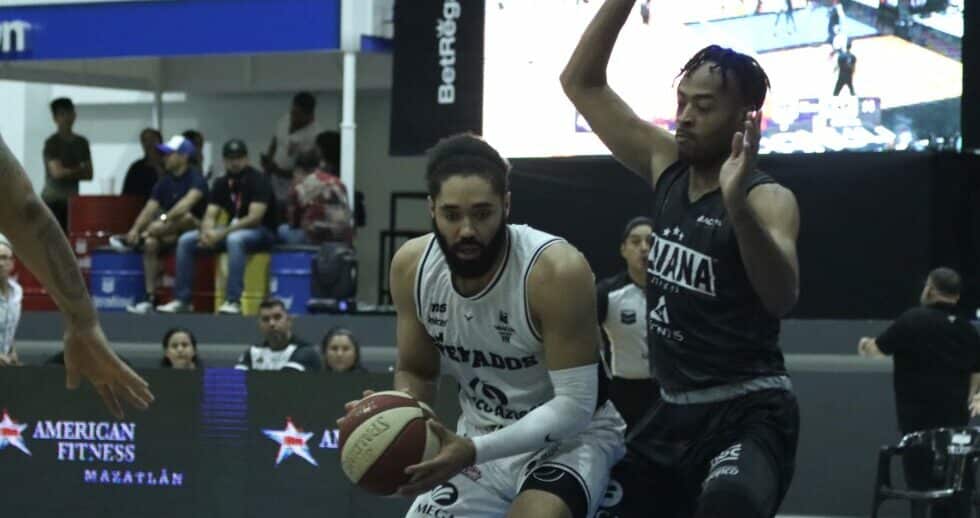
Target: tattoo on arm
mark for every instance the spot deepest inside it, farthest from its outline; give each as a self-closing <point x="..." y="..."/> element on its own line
<point x="66" y="279"/>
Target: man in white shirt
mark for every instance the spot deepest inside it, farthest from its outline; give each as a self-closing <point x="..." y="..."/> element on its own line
<point x="10" y="303"/>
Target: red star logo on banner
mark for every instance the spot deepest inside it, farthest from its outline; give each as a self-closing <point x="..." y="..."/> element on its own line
<point x="10" y="433"/>
<point x="292" y="441"/>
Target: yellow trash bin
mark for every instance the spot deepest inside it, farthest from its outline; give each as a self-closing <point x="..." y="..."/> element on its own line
<point x="256" y="282"/>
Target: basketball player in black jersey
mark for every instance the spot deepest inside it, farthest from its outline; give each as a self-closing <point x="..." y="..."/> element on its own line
<point x="41" y="245"/>
<point x="723" y="269"/>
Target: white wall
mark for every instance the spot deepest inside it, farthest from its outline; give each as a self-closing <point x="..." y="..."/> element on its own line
<point x="113" y="131"/>
<point x="12" y="122"/>
<point x="378" y="175"/>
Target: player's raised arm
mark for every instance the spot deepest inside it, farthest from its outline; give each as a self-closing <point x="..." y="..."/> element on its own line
<point x="644" y="148"/>
<point x="417" y="368"/>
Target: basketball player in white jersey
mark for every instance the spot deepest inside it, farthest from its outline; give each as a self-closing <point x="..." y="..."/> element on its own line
<point x="509" y="312"/>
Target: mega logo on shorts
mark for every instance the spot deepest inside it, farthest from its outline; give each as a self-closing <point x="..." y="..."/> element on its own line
<point x="443" y="495"/>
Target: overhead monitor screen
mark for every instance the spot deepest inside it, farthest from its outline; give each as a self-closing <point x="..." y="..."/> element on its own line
<point x="858" y="75"/>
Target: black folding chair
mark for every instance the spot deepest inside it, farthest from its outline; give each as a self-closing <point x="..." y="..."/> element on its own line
<point x="952" y="455"/>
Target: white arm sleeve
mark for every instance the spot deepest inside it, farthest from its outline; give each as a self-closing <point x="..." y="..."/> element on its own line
<point x="565" y="415"/>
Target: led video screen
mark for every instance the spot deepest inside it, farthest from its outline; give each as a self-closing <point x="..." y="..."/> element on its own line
<point x="855" y="75"/>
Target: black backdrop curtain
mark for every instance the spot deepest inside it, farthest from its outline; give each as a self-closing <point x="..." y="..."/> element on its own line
<point x="872" y="224"/>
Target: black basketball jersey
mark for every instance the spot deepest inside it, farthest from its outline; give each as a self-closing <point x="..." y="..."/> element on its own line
<point x="706" y="325"/>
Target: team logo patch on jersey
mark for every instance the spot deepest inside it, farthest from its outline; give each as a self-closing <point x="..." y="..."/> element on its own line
<point x="503" y="328"/>
<point x="627" y="316"/>
<point x="673" y="266"/>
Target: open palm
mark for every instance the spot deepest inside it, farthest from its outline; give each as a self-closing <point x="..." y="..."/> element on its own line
<point x="741" y="162"/>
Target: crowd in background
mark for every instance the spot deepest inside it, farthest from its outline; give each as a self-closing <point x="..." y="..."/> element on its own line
<point x="296" y="198"/>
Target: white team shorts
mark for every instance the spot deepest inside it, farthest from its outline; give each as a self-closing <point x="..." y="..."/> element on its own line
<point x="486" y="490"/>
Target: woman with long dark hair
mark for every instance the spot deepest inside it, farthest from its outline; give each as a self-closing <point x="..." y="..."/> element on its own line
<point x="180" y="349"/>
<point x="340" y="351"/>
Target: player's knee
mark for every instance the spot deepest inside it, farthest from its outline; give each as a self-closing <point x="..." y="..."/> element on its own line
<point x="538" y="503"/>
<point x="151" y="246"/>
<point x="730" y="499"/>
<point x="552" y="491"/>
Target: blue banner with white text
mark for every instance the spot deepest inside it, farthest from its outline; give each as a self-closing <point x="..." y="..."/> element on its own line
<point x="167" y="28"/>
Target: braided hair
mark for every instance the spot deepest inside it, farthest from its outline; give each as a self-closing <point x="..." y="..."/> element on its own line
<point x="751" y="78"/>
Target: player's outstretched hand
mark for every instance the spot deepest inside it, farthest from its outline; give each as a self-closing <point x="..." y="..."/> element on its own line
<point x="348" y="406"/>
<point x="87" y="355"/>
<point x="455" y="454"/>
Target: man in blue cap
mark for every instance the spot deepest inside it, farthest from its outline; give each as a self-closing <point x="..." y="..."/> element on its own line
<point x="176" y="206"/>
<point x="245" y="195"/>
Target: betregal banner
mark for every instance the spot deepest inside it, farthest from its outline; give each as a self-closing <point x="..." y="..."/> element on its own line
<point x="437" y="71"/>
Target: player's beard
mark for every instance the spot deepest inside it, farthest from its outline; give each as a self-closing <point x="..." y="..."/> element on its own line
<point x="472" y="268"/>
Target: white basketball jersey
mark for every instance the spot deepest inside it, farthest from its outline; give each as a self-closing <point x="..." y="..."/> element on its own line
<point x="487" y="341"/>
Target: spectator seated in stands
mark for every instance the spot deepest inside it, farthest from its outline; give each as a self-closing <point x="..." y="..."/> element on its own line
<point x="175" y="206"/>
<point x="281" y="350"/>
<point x="318" y="210"/>
<point x="11" y="296"/>
<point x="245" y="196"/>
<point x="144" y="173"/>
<point x="180" y="349"/>
<point x="340" y="351"/>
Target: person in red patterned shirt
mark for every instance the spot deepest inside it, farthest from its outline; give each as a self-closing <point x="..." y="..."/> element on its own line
<point x="318" y="209"/>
